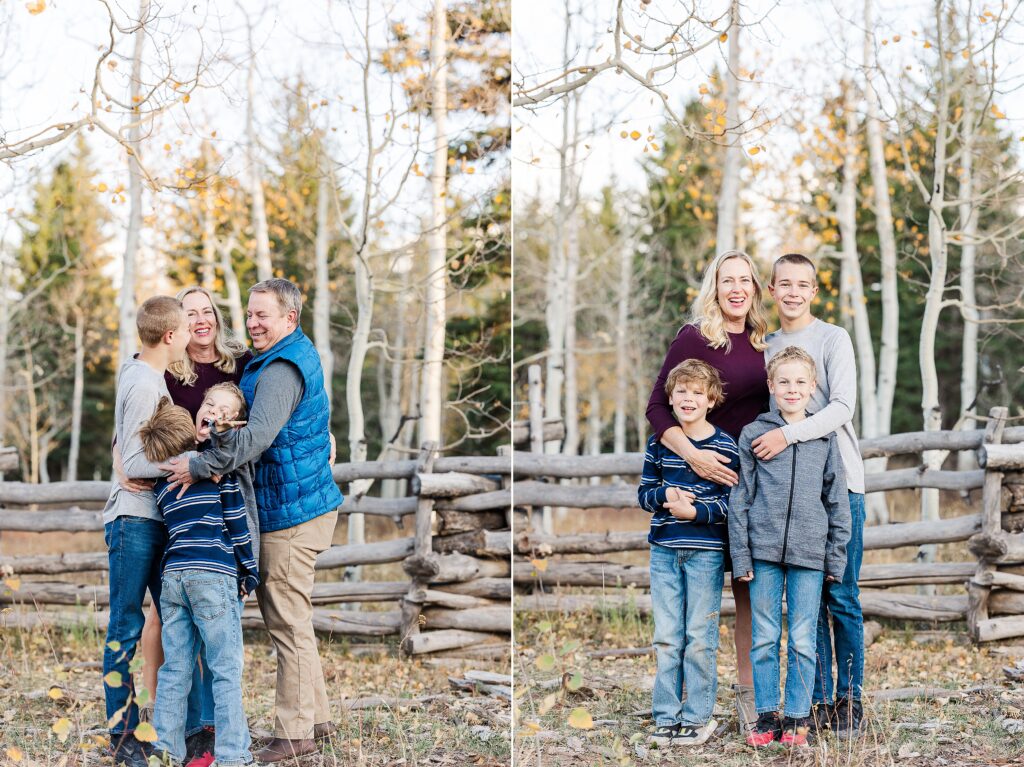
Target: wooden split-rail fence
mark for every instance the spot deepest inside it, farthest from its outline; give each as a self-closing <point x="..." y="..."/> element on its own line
<point x="457" y="557"/>
<point x="992" y="601"/>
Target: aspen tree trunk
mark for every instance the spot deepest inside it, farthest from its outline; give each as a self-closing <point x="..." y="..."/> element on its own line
<point x="209" y="240"/>
<point x="264" y="268"/>
<point x="234" y="291"/>
<point x="729" y="195"/>
<point x="572" y="264"/>
<point x="5" y="329"/>
<point x="391" y="413"/>
<point x="322" y="295"/>
<point x="433" y="349"/>
<point x="968" y="256"/>
<point x="622" y="349"/>
<point x="127" y="335"/>
<point x="594" y="425"/>
<point x="937" y="249"/>
<point x="77" y="395"/>
<point x="889" y="351"/>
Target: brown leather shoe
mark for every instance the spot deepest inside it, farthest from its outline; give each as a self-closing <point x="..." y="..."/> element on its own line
<point x="279" y="749"/>
<point x="324" y="731"/>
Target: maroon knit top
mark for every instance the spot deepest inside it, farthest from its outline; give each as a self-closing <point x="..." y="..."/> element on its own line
<point x="191" y="397"/>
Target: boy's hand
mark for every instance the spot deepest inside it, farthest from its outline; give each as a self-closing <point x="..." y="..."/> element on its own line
<point x="769" y="445"/>
<point x="177" y="473"/>
<point x="682" y="507"/>
<point x="831" y="579"/>
<point x="126" y="483"/>
<point x="709" y="465"/>
<point x="746" y="578"/>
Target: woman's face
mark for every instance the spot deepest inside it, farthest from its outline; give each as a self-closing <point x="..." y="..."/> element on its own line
<point x="202" y="321"/>
<point x="735" y="290"/>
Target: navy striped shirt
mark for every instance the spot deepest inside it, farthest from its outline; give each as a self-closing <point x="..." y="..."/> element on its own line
<point x="664" y="469"/>
<point x="207" y="529"/>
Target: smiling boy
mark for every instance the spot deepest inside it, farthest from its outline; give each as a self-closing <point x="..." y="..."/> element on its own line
<point x="794" y="286"/>
<point x="688" y="540"/>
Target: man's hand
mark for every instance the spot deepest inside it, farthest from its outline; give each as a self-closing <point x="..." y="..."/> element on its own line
<point x="831" y="579"/>
<point x="746" y="578"/>
<point x="709" y="465"/>
<point x="126" y="483"/>
<point x="177" y="473"/>
<point x="334" y="449"/>
<point x="679" y="503"/>
<point x="769" y="445"/>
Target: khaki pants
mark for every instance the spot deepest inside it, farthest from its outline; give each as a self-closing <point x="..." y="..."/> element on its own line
<point x="284" y="594"/>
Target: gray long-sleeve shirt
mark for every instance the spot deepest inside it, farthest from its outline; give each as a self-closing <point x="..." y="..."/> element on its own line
<point x="834" y="400"/>
<point x="139" y="389"/>
<point x="278" y="392"/>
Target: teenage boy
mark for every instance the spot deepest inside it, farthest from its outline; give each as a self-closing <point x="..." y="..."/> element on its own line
<point x="789" y="521"/>
<point x="688" y="539"/>
<point x="794" y="286"/>
<point x="132" y="526"/>
<point x="208" y="569"/>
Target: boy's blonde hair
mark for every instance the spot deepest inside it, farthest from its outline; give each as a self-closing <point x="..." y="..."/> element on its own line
<point x="157" y="316"/>
<point x="169" y="432"/>
<point x="700" y="372"/>
<point x="234" y="391"/>
<point x="792" y="354"/>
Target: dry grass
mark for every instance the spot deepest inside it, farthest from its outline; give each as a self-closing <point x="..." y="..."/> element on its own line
<point x="454" y="729"/>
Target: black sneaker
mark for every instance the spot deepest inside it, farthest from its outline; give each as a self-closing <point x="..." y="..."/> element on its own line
<point x="126" y="751"/>
<point x="797" y="731"/>
<point x="766" y="730"/>
<point x="199" y="743"/>
<point x="848" y="717"/>
<point x="824" y="717"/>
<point x="663" y="736"/>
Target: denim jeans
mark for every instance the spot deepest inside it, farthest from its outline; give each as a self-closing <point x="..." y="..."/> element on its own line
<point x="201" y="606"/>
<point x="686" y="594"/>
<point x="842" y="602"/>
<point x="135" y="547"/>
<point x="802" y="587"/>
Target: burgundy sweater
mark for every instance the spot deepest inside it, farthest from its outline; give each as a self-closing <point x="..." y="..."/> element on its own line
<point x="743" y="378"/>
<point x="191" y="397"/>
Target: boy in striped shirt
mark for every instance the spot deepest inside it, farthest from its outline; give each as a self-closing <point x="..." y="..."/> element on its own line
<point x="688" y="544"/>
<point x="208" y="569"/>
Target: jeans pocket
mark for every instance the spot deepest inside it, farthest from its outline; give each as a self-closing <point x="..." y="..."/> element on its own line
<point x="206" y="597"/>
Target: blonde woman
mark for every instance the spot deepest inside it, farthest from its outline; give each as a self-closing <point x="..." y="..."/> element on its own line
<point x="726" y="329"/>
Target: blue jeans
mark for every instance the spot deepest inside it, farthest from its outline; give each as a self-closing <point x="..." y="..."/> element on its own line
<point x="842" y="602"/>
<point x="201" y="606"/>
<point x="135" y="547"/>
<point x="686" y="594"/>
<point x="803" y="595"/>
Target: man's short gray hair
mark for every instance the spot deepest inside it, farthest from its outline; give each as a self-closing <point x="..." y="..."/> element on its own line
<point x="287" y="293"/>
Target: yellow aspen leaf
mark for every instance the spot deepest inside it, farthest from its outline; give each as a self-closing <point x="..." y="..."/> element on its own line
<point x="470" y="170"/>
<point x="186" y="98"/>
<point x="15" y="754"/>
<point x="62" y="728"/>
<point x="581" y="719"/>
<point x="720" y="121"/>
<point x="532" y="726"/>
<point x="628" y="45"/>
<point x="113" y="679"/>
<point x="547" y="704"/>
<point x="927" y="44"/>
<point x="37" y="7"/>
<point x="540" y="564"/>
<point x="635" y="135"/>
<point x="12" y="583"/>
<point x="896" y="38"/>
<point x="753" y="150"/>
<point x="723" y="37"/>
<point x="145" y="732"/>
<point x="703" y="89"/>
<point x="101" y="187"/>
<point x="996" y="113"/>
<point x="885" y="42"/>
<point x="55" y="693"/>
<point x="111" y="64"/>
<point x="966" y="54"/>
<point x="167" y="147"/>
<point x="654" y="145"/>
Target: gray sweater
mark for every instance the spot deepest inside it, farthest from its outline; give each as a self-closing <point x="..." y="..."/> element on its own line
<point x="790" y="510"/>
<point x="139" y="389"/>
<point x="244" y="473"/>
<point x="835" y="398"/>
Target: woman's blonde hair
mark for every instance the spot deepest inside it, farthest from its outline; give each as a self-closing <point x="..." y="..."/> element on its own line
<point x="706" y="313"/>
<point x="227" y="345"/>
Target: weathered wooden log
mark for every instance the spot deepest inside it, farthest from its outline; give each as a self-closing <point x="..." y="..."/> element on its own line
<point x="1001" y="457"/>
<point x="438" y="598"/>
<point x="62" y="520"/>
<point x="1003" y="601"/>
<point x="454" y="568"/>
<point x="1003" y="627"/>
<point x="8" y="459"/>
<point x="906" y="479"/>
<point x="1002" y="548"/>
<point x="495" y="499"/>
<point x="532" y="541"/>
<point x="554" y="429"/>
<point x="485" y="588"/>
<point x="450" y="522"/>
<point x="379" y="507"/>
<point x="448" y="639"/>
<point x="1001" y="579"/>
<point x="480" y="543"/>
<point x="493" y="620"/>
<point x="365" y="553"/>
<point x="361" y="591"/>
<point x="406" y="469"/>
<point x="918" y="441"/>
<point x="919" y="533"/>
<point x="55" y="564"/>
<point x="57" y="593"/>
<point x="452" y="484"/>
<point x="54" y="492"/>
<point x="913" y="573"/>
<point x="917" y="693"/>
<point x="475" y="464"/>
<point x="570" y="466"/>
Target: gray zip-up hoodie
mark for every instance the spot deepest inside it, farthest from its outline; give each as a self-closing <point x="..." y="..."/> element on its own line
<point x="790" y="510"/>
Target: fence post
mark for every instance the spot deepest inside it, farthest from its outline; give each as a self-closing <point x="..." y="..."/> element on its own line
<point x="541" y="524"/>
<point x="979" y="589"/>
<point x="423" y="547"/>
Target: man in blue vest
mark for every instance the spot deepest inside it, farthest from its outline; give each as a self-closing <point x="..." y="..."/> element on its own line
<point x="288" y="438"/>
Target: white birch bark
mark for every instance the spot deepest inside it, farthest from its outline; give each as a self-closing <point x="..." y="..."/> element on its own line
<point x="322" y="295"/>
<point x="572" y="264"/>
<point x="729" y="194"/>
<point x="208" y="267"/>
<point x="595" y="425"/>
<point x="5" y="329"/>
<point x="227" y="268"/>
<point x="264" y="268"/>
<point x="77" y="395"/>
<point x="433" y="349"/>
<point x="127" y="332"/>
<point x="622" y="347"/>
<point x="394" y="369"/>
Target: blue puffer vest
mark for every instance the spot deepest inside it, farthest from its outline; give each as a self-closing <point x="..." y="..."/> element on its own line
<point x="293" y="479"/>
